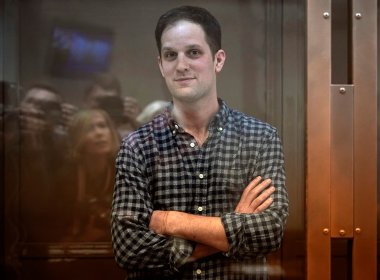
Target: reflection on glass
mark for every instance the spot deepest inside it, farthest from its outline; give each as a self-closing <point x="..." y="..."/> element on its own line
<point x="105" y="93"/>
<point x="36" y="147"/>
<point x="93" y="143"/>
<point x="43" y="183"/>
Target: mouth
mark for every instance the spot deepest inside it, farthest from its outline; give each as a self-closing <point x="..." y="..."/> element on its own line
<point x="183" y="78"/>
<point x="101" y="143"/>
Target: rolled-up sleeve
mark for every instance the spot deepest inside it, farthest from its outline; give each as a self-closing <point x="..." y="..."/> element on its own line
<point x="258" y="234"/>
<point x="135" y="246"/>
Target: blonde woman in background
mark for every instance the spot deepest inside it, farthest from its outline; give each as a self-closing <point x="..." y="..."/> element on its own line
<point x="93" y="144"/>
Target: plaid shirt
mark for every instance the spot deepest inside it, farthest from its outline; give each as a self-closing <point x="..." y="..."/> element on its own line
<point x="160" y="166"/>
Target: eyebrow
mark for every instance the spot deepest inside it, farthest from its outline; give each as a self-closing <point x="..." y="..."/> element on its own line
<point x="192" y="46"/>
<point x="166" y="49"/>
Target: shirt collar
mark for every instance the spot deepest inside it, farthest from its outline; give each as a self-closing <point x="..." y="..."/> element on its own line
<point x="217" y="122"/>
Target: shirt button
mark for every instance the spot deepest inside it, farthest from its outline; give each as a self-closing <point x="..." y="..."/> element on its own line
<point x="176" y="126"/>
<point x="220" y="128"/>
<point x="198" y="271"/>
<point x="200" y="208"/>
<point x="201" y="176"/>
<point x="192" y="144"/>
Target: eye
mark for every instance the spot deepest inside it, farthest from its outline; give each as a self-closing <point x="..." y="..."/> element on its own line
<point x="102" y="125"/>
<point x="194" y="53"/>
<point x="169" y="55"/>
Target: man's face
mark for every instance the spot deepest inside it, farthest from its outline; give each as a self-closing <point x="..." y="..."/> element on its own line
<point x="187" y="64"/>
<point x="45" y="101"/>
<point x="38" y="97"/>
<point x="40" y="111"/>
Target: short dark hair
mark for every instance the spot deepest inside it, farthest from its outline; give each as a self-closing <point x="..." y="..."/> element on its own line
<point x="197" y="15"/>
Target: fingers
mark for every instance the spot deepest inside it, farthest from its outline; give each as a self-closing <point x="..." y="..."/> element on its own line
<point x="131" y="107"/>
<point x="68" y="111"/>
<point x="32" y="120"/>
<point x="263" y="201"/>
<point x="255" y="189"/>
<point x="251" y="185"/>
<point x="256" y="196"/>
<point x="263" y="206"/>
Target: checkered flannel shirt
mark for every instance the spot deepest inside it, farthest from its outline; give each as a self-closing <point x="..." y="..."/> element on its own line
<point x="161" y="167"/>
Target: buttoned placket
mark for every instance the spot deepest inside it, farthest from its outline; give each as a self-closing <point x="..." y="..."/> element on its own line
<point x="201" y="181"/>
<point x="202" y="155"/>
<point x="203" y="167"/>
<point x="199" y="271"/>
<point x="189" y="147"/>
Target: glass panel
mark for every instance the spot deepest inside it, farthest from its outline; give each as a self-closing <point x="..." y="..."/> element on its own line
<point x="87" y="76"/>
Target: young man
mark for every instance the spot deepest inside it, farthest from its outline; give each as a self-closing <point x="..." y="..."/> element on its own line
<point x="36" y="152"/>
<point x="200" y="190"/>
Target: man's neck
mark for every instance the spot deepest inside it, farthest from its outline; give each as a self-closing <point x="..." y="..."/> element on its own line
<point x="195" y="118"/>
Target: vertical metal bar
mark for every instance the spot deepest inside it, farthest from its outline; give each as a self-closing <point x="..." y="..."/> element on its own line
<point x="318" y="139"/>
<point x="342" y="161"/>
<point x="273" y="46"/>
<point x="365" y="138"/>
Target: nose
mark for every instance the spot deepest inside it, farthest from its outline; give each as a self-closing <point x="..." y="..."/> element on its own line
<point x="99" y="131"/>
<point x="182" y="63"/>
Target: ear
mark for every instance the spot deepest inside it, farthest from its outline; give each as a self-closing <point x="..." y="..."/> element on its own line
<point x="220" y="58"/>
<point x="160" y="66"/>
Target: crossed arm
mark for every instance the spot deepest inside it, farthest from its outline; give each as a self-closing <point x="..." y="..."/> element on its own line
<point x="208" y="232"/>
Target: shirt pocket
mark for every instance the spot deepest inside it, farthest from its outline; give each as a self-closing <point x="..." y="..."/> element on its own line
<point x="234" y="181"/>
<point x="230" y="186"/>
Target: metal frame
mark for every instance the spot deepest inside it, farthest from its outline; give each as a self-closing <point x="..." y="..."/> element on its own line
<point x="341" y="200"/>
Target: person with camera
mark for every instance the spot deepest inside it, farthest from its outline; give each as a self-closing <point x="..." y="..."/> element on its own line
<point x="36" y="148"/>
<point x="105" y="93"/>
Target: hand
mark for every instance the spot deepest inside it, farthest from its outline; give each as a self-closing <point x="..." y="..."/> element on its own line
<point x="68" y="111"/>
<point x="256" y="197"/>
<point x="158" y="221"/>
<point x="131" y="108"/>
<point x="32" y="120"/>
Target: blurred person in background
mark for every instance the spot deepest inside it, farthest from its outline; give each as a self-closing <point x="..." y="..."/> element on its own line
<point x="36" y="148"/>
<point x="93" y="144"/>
<point x="105" y="93"/>
<point x="41" y="115"/>
<point x="151" y="110"/>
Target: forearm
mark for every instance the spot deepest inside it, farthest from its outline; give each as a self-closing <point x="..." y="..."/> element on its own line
<point x="136" y="247"/>
<point x="201" y="229"/>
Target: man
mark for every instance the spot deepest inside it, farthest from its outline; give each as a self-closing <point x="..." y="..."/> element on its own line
<point x="199" y="190"/>
<point x="41" y="111"/>
<point x="36" y="148"/>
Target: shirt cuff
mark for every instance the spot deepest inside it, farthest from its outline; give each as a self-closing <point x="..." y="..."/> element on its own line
<point x="180" y="251"/>
<point x="234" y="227"/>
